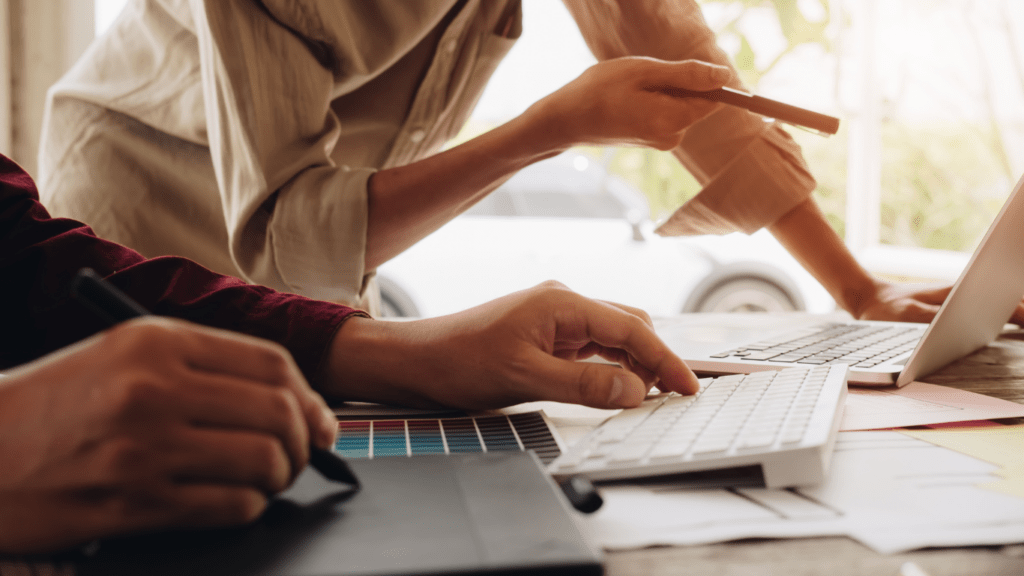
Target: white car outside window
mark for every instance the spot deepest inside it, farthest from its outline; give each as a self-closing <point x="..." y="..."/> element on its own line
<point x="567" y="219"/>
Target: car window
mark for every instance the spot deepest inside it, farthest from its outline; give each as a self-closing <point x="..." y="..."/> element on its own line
<point x="563" y="187"/>
<point x="562" y="205"/>
<point x="497" y="203"/>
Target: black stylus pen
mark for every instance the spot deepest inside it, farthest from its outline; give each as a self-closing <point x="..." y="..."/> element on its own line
<point x="115" y="307"/>
<point x="822" y="123"/>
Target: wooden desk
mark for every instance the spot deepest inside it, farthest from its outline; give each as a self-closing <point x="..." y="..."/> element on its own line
<point x="998" y="371"/>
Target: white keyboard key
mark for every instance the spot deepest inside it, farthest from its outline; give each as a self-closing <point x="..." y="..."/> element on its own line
<point x="628" y="453"/>
<point x="711" y="447"/>
<point x="604" y="450"/>
<point x="668" y="449"/>
<point x="757" y="441"/>
<point x="574" y="459"/>
<point x="790" y="437"/>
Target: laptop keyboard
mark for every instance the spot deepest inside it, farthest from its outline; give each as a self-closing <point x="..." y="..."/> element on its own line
<point x="856" y="345"/>
<point x="785" y="421"/>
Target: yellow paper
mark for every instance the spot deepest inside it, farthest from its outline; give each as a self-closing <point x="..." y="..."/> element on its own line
<point x="999" y="445"/>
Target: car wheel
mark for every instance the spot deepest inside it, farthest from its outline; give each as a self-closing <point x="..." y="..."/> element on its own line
<point x="394" y="301"/>
<point x="745" y="287"/>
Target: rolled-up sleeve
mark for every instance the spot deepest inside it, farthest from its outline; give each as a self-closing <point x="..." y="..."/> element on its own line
<point x="751" y="171"/>
<point x="296" y="220"/>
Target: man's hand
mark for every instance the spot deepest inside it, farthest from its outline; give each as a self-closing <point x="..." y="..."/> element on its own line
<point x="519" y="348"/>
<point x="912" y="303"/>
<point x="805" y="232"/>
<point x="622" y="102"/>
<point x="154" y="423"/>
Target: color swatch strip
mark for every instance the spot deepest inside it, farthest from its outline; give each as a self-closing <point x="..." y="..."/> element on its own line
<point x="379" y="438"/>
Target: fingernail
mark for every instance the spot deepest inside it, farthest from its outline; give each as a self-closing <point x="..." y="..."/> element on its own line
<point x="328" y="440"/>
<point x="620" y="396"/>
<point x="616" y="391"/>
<point x="331" y="430"/>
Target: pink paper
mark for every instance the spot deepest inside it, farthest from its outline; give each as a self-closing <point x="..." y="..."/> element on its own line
<point x="918" y="404"/>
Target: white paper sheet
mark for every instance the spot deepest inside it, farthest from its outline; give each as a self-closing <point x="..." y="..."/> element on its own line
<point x="887" y="490"/>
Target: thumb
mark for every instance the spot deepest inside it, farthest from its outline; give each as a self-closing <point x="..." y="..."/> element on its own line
<point x="593" y="384"/>
<point x="692" y="75"/>
<point x="934" y="295"/>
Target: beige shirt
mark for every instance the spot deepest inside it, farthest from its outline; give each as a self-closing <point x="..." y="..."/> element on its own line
<point x="241" y="134"/>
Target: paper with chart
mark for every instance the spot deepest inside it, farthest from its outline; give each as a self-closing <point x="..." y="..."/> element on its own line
<point x="887" y="490"/>
<point x="999" y="445"/>
<point x="918" y="404"/>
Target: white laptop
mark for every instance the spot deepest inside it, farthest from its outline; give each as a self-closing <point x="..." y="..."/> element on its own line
<point x="878" y="353"/>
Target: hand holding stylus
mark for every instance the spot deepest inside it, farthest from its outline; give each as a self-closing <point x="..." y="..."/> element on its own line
<point x="647" y="102"/>
<point x="114" y="306"/>
<point x="155" y="423"/>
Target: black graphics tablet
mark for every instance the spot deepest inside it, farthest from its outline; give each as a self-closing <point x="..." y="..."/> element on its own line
<point x="494" y="513"/>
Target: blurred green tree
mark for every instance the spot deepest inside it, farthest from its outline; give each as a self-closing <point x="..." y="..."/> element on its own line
<point x="659" y="175"/>
<point x="942" y="181"/>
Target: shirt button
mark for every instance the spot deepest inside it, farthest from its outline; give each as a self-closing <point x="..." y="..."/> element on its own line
<point x="417" y="136"/>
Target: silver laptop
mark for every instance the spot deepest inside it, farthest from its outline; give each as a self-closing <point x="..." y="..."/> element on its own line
<point x="878" y="353"/>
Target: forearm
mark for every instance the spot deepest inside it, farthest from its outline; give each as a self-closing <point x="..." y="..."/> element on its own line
<point x="407" y="203"/>
<point x="805" y="232"/>
<point x="666" y="29"/>
<point x="612" y="103"/>
<point x="374" y="361"/>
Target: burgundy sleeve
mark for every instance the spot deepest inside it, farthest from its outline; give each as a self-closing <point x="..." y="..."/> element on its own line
<point x="40" y="255"/>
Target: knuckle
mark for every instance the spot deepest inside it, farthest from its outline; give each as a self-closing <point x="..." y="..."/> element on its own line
<point x="282" y="405"/>
<point x="242" y="506"/>
<point x="645" y="317"/>
<point x="143" y="334"/>
<point x="270" y="461"/>
<point x="639" y="321"/>
<point x="277" y="361"/>
<point x="630" y="323"/>
<point x="137" y="391"/>
<point x="553" y="285"/>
